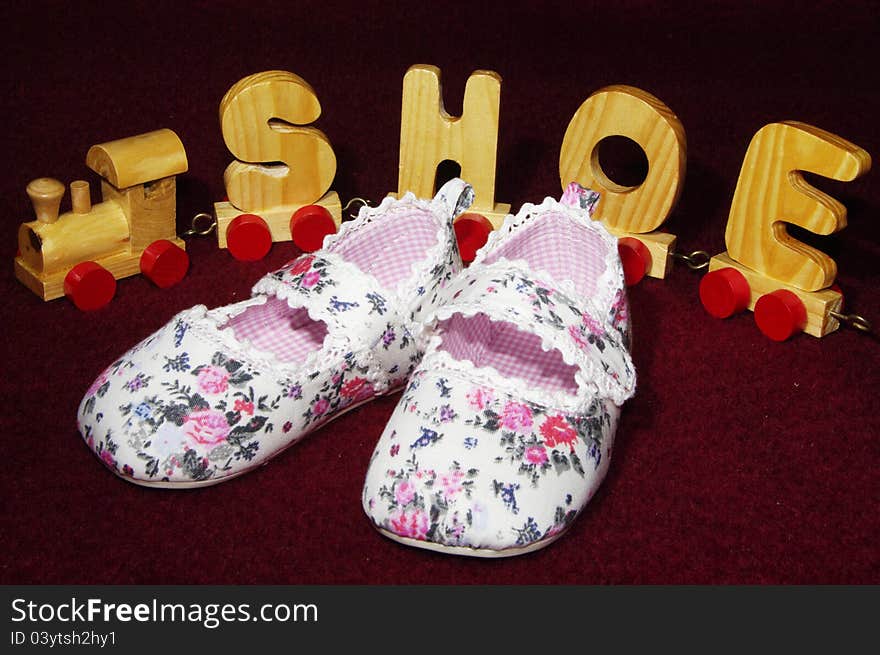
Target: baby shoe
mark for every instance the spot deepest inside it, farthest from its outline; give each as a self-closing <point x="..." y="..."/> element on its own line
<point x="215" y="393"/>
<point x="505" y="429"/>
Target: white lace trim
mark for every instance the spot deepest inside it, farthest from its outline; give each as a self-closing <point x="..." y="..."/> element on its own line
<point x="453" y="196"/>
<point x="212" y="326"/>
<point x="610" y="281"/>
<point x="209" y="324"/>
<point x="590" y="377"/>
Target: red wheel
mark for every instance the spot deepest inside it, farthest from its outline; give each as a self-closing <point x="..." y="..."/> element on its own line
<point x="248" y="238"/>
<point x="90" y="286"/>
<point x="636" y="259"/>
<point x="309" y="225"/>
<point x="165" y="263"/>
<point x="724" y="292"/>
<point x="471" y="231"/>
<point x="780" y="314"/>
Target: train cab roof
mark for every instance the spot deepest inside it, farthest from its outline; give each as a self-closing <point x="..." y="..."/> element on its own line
<point x="138" y="159"/>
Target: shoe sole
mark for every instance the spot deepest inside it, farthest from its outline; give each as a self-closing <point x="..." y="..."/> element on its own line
<point x="467" y="551"/>
<point x="210" y="482"/>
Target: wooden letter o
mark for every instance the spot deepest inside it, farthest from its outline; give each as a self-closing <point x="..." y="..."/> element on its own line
<point x="626" y="111"/>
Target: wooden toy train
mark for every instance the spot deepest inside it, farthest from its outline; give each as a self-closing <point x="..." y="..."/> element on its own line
<point x="278" y="189"/>
<point x="82" y="253"/>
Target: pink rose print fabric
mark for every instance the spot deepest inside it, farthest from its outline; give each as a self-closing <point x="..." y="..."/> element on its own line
<point x="213" y="394"/>
<point x="506" y="427"/>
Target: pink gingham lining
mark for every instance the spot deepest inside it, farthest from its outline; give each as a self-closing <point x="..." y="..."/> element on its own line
<point x="384" y="251"/>
<point x="559" y="249"/>
<point x="387" y="247"/>
<point x="507" y="349"/>
<point x="559" y="242"/>
<point x="278" y="328"/>
<point x="498" y="338"/>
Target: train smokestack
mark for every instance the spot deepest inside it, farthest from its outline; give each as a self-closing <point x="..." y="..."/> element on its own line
<point x="81" y="197"/>
<point x="45" y="194"/>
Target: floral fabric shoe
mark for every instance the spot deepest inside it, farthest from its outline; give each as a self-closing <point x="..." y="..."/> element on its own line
<point x="215" y="393"/>
<point x="505" y="429"/>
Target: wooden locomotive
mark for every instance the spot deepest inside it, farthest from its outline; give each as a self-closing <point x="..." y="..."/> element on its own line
<point x="278" y="186"/>
<point x="82" y="253"/>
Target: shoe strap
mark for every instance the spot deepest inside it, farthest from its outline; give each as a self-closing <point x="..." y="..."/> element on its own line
<point x="454" y="197"/>
<point x="352" y="304"/>
<point x="505" y="291"/>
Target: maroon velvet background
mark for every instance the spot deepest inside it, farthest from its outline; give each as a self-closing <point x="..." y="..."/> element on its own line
<point x="740" y="460"/>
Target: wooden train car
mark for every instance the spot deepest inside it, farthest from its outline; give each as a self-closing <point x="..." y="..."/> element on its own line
<point x="631" y="213"/>
<point x="430" y="137"/>
<point x="787" y="284"/>
<point x="81" y="253"/>
<point x="278" y="186"/>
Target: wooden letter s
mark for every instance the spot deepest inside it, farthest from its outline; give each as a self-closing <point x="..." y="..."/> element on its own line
<point x="278" y="162"/>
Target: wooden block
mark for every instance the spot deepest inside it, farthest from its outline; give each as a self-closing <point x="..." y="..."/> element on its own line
<point x="151" y="209"/>
<point x="53" y="247"/>
<point x="50" y="286"/>
<point x="429" y="136"/>
<point x="635" y="114"/>
<point x="138" y="159"/>
<point x="819" y="304"/>
<point x="771" y="191"/>
<point x="277" y="218"/>
<point x="659" y="244"/>
<point x="496" y="214"/>
<point x="261" y="118"/>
